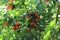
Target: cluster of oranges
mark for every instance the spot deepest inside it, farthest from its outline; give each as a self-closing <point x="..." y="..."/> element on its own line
<point x="33" y="18"/>
<point x="15" y="26"/>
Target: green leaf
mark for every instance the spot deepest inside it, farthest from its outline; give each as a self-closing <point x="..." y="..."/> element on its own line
<point x="46" y="36"/>
<point x="57" y="27"/>
<point x="52" y="23"/>
<point x="1" y="36"/>
<point x="47" y="28"/>
<point x="26" y="3"/>
<point x="11" y="38"/>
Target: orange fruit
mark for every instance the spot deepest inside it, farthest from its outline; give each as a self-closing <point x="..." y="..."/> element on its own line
<point x="31" y="12"/>
<point x="9" y="6"/>
<point x="6" y="23"/>
<point x="11" y="0"/>
<point x="32" y="24"/>
<point x="36" y="15"/>
<point x="27" y="29"/>
<point x="17" y="27"/>
<point x="14" y="28"/>
<point x="46" y="1"/>
<point x="17" y="23"/>
<point x="27" y="17"/>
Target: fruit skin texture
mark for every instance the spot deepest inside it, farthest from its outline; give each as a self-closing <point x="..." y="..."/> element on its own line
<point x="27" y="17"/>
<point x="11" y="0"/>
<point x="16" y="26"/>
<point x="9" y="6"/>
<point x="37" y="16"/>
<point x="5" y="23"/>
<point x="31" y="12"/>
<point x="28" y="29"/>
<point x="46" y="1"/>
<point x="32" y="24"/>
<point x="17" y="23"/>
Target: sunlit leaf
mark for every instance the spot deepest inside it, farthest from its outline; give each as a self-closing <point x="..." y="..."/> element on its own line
<point x="46" y="36"/>
<point x="52" y="23"/>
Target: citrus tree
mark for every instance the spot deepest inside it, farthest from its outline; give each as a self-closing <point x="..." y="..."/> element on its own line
<point x="29" y="20"/>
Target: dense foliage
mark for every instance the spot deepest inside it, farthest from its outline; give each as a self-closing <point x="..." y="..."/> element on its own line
<point x="29" y="20"/>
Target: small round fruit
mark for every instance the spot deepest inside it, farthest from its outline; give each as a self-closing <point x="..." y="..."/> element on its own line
<point x="6" y="23"/>
<point x="32" y="24"/>
<point x="9" y="6"/>
<point x="17" y="27"/>
<point x="11" y="0"/>
<point x="36" y="15"/>
<point x="27" y="17"/>
<point x="17" y="23"/>
<point x="31" y="12"/>
<point x="27" y="29"/>
<point x="14" y="28"/>
<point x="46" y="0"/>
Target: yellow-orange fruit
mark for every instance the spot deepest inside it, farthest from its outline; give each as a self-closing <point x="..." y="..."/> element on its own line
<point x="17" y="23"/>
<point x="5" y="23"/>
<point x="9" y="6"/>
<point x="31" y="12"/>
<point x="37" y="16"/>
<point x="46" y="1"/>
<point x="11" y="0"/>
<point x="27" y="29"/>
<point x="32" y="24"/>
<point x="27" y="17"/>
